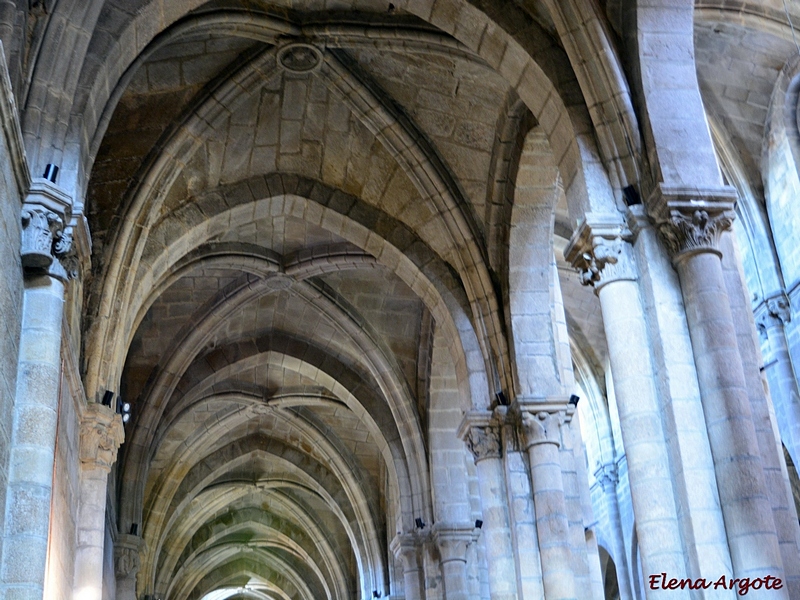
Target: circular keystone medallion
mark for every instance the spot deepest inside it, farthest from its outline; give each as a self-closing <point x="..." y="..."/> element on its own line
<point x="299" y="58"/>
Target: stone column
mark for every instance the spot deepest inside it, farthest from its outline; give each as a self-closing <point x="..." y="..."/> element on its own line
<point x="771" y="317"/>
<point x="691" y="222"/>
<point x="604" y="257"/>
<point x="452" y="541"/>
<point x="406" y="548"/>
<point x="525" y="540"/>
<point x="126" y="565"/>
<point x="101" y="436"/>
<point x="46" y="242"/>
<point x="482" y="435"/>
<point x="541" y="428"/>
<point x="607" y="478"/>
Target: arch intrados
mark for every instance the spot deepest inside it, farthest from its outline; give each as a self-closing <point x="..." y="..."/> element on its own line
<point x="547" y="104"/>
<point x="353" y="398"/>
<point x="183" y="520"/>
<point x="217" y="559"/>
<point x="236" y="495"/>
<point x="341" y="487"/>
<point x="272" y="539"/>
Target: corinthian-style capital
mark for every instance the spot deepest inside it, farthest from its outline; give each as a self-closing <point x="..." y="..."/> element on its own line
<point x="46" y="228"/>
<point x="601" y="251"/>
<point x="101" y="435"/>
<point x="691" y="221"/>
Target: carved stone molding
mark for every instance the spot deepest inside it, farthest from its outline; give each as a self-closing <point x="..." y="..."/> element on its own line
<point x="101" y="436"/>
<point x="601" y="251"/>
<point x="300" y="58"/>
<point x="126" y="556"/>
<point x="691" y="221"/>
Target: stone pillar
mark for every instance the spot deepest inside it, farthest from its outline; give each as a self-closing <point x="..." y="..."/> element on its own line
<point x="46" y="242"/>
<point x="406" y="548"/>
<point x="452" y="541"/>
<point x="541" y="428"/>
<point x="524" y="538"/>
<point x="771" y="317"/>
<point x="126" y="565"/>
<point x="691" y="222"/>
<point x="607" y="478"/>
<point x="604" y="257"/>
<point x="101" y="436"/>
<point x="482" y="435"/>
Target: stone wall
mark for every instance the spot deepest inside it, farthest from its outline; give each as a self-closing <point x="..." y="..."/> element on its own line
<point x="13" y="172"/>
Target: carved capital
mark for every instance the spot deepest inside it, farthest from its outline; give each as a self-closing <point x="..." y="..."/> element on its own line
<point x="406" y="548"/>
<point x="101" y="436"/>
<point x="453" y="540"/>
<point x="543" y="427"/>
<point x="126" y="556"/>
<point x="773" y="312"/>
<point x="40" y="228"/>
<point x="601" y="251"/>
<point x="607" y="476"/>
<point x="780" y="308"/>
<point x="47" y="230"/>
<point x="691" y="221"/>
<point x="484" y="442"/>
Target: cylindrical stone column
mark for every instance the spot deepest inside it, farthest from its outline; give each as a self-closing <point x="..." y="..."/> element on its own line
<point x="483" y="440"/>
<point x="452" y="542"/>
<point x="691" y="224"/>
<point x="406" y="549"/>
<point x="30" y="482"/>
<point x="542" y="439"/>
<point x="101" y="436"/>
<point x="771" y="317"/>
<point x="605" y="258"/>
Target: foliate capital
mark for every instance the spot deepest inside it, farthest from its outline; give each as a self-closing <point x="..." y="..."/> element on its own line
<point x="47" y="230"/>
<point x="601" y="251"/>
<point x="101" y="436"/>
<point x="543" y="427"/>
<point x="692" y="221"/>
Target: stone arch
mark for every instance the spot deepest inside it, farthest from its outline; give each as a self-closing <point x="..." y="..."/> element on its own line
<point x="780" y="165"/>
<point x="534" y="290"/>
<point x="673" y="117"/>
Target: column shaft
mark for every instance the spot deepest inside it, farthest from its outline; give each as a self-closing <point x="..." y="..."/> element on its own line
<point x="552" y="524"/>
<point x="27" y="510"/>
<point x="745" y="505"/>
<point x="88" y="583"/>
<point x="643" y="437"/>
